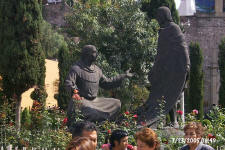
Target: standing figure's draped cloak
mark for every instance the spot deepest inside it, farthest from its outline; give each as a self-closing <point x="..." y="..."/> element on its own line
<point x="168" y="75"/>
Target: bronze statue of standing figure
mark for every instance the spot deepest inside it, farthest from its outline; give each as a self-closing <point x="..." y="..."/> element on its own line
<point x="170" y="69"/>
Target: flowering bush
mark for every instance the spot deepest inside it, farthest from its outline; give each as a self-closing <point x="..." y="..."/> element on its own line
<point x="46" y="138"/>
<point x="46" y="130"/>
<point x="53" y="132"/>
<point x="128" y="123"/>
<point x="215" y="124"/>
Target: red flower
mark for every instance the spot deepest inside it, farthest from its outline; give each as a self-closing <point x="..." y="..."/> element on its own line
<point x="143" y="123"/>
<point x="127" y="112"/>
<point x="109" y="131"/>
<point x="75" y="91"/>
<point x="11" y="123"/>
<point x="65" y="120"/>
<point x="135" y="116"/>
<point x="35" y="103"/>
<point x="179" y="112"/>
<point x="211" y="136"/>
<point x="130" y="147"/>
<point x="126" y="124"/>
<point x="195" y="111"/>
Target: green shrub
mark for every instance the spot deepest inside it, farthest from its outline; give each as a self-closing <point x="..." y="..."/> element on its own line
<point x="68" y="54"/>
<point x="195" y="95"/>
<point x="51" y="40"/>
<point x="26" y="118"/>
<point x="22" y="61"/>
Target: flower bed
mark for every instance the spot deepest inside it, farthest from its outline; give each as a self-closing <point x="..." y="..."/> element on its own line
<point x="47" y="129"/>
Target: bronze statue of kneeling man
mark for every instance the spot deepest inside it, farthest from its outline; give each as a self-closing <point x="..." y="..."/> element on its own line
<point x="83" y="82"/>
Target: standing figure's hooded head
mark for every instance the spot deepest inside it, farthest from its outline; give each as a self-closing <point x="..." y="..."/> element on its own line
<point x="163" y="16"/>
<point x="89" y="53"/>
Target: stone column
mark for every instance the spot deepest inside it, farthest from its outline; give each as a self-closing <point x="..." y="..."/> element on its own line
<point x="218" y="6"/>
<point x="175" y="123"/>
<point x="181" y="103"/>
<point x="182" y="106"/>
<point x="215" y="77"/>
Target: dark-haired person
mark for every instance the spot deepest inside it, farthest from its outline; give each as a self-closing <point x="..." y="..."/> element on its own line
<point x="118" y="141"/>
<point x="85" y="129"/>
<point x="147" y="140"/>
<point x="193" y="134"/>
<point x="80" y="143"/>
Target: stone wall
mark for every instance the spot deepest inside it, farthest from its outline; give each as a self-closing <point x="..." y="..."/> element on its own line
<point x="208" y="30"/>
<point x="55" y="13"/>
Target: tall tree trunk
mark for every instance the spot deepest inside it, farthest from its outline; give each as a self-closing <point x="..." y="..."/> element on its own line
<point x="18" y="113"/>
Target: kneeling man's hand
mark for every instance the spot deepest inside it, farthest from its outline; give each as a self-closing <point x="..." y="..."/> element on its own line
<point x="76" y="97"/>
<point x="128" y="74"/>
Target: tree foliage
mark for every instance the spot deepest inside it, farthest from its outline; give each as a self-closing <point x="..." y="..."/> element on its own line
<point x="51" y="40"/>
<point x="22" y="60"/>
<point x="221" y="62"/>
<point x="119" y="31"/>
<point x="123" y="37"/>
<point x="26" y="118"/>
<point x="67" y="55"/>
<point x="196" y="79"/>
<point x="151" y="7"/>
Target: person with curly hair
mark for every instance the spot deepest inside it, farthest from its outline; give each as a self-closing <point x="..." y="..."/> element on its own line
<point x="81" y="143"/>
<point x="147" y="139"/>
<point x="193" y="137"/>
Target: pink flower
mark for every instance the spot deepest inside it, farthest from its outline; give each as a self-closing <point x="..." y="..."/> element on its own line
<point x="105" y="146"/>
<point x="179" y="112"/>
<point x="126" y="124"/>
<point x="65" y="120"/>
<point x="130" y="147"/>
<point x="127" y="112"/>
<point x="135" y="116"/>
<point x="195" y="111"/>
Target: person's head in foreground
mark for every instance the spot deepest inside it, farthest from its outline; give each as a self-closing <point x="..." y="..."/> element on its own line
<point x="81" y="143"/>
<point x="119" y="140"/>
<point x="147" y="139"/>
<point x="193" y="134"/>
<point x="200" y="130"/>
<point x="85" y="129"/>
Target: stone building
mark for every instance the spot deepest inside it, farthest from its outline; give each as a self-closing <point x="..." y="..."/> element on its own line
<point x="208" y="28"/>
